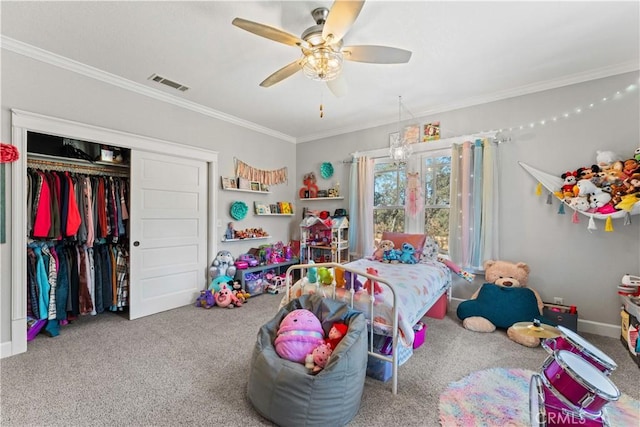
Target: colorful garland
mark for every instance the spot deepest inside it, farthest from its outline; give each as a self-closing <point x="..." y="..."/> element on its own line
<point x="267" y="177"/>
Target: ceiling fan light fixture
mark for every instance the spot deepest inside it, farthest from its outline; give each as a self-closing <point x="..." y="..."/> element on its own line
<point x="322" y="63"/>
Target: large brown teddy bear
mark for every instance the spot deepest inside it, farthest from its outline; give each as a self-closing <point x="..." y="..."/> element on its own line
<point x="502" y="301"/>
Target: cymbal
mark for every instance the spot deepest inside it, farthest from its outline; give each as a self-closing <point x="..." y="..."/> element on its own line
<point x="538" y="330"/>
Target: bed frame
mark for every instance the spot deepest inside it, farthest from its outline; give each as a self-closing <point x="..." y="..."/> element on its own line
<point x="300" y="271"/>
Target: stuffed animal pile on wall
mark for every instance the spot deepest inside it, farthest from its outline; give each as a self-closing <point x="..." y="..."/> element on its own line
<point x="609" y="185"/>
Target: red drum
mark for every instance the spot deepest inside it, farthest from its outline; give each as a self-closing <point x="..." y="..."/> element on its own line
<point x="574" y="343"/>
<point x="578" y="384"/>
<point x="545" y="409"/>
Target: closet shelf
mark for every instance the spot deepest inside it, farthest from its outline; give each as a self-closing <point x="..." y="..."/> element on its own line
<point x="322" y="198"/>
<point x="57" y="162"/>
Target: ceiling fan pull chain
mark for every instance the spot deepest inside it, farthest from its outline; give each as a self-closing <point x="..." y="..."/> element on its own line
<point x="321" y="111"/>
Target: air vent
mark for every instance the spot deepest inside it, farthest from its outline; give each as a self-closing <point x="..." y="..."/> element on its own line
<point x="167" y="82"/>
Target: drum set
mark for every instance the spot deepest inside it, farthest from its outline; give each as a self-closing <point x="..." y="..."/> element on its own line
<point x="573" y="386"/>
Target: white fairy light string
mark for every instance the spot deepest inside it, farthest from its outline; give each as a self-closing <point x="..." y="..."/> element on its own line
<point x="565" y="115"/>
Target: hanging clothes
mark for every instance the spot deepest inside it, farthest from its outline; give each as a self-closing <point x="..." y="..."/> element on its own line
<point x="77" y="261"/>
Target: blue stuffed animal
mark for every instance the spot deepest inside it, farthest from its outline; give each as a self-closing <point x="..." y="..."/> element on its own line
<point x="408" y="254"/>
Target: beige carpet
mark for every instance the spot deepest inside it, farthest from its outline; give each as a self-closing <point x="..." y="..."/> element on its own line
<point x="189" y="366"/>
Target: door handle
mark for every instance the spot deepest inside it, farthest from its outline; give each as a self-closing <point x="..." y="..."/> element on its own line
<point x="136" y="243"/>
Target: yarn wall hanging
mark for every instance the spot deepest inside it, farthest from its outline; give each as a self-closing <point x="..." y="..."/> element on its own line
<point x="326" y="170"/>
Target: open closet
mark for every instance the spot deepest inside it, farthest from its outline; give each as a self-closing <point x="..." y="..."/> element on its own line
<point x="77" y="231"/>
<point x="168" y="235"/>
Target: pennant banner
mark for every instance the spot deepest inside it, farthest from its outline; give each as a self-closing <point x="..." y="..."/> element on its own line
<point x="267" y="177"/>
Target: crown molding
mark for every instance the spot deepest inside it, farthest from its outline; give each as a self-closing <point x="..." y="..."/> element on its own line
<point x="68" y="64"/>
<point x="599" y="73"/>
<point x="45" y="56"/>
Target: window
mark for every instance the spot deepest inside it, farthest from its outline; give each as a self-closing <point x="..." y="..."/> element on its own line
<point x="436" y="174"/>
<point x="389" y="184"/>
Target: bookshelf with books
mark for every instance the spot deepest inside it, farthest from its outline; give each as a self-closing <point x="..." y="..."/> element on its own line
<point x="273" y="209"/>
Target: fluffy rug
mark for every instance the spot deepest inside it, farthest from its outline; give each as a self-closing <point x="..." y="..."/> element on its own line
<point x="500" y="397"/>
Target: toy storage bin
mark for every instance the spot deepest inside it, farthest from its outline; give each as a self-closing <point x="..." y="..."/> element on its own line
<point x="378" y="369"/>
<point x="381" y="369"/>
<point x="439" y="309"/>
<point x="420" y="330"/>
<point x="254" y="283"/>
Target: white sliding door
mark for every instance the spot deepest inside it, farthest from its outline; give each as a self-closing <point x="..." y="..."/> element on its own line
<point x="168" y="249"/>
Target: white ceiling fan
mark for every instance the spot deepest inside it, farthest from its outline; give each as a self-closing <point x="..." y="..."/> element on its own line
<point x="322" y="46"/>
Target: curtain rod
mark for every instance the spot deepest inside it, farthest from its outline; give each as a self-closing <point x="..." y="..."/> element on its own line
<point x="427" y="146"/>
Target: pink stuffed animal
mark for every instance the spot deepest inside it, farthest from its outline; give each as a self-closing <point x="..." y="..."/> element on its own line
<point x="372" y="286"/>
<point x="299" y="333"/>
<point x="226" y="298"/>
<point x="317" y="360"/>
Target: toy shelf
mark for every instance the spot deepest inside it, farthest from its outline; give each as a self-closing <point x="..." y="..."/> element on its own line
<point x="323" y="198"/>
<point x="248" y="238"/>
<point x="274" y="214"/>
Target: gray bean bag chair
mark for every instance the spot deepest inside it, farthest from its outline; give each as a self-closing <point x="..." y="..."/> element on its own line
<point x="287" y="394"/>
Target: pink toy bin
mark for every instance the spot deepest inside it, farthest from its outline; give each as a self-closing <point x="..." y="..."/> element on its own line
<point x="420" y="330"/>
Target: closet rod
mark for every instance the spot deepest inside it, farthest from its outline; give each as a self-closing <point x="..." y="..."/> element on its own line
<point x="69" y="167"/>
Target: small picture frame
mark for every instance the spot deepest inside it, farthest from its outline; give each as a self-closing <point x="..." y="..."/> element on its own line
<point x="228" y="182"/>
<point x="255" y="186"/>
<point x="244" y="184"/>
<point x="411" y="134"/>
<point x="264" y="187"/>
<point x="431" y="132"/>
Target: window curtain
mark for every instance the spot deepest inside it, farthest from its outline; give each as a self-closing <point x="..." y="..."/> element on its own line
<point x="473" y="228"/>
<point x="361" y="207"/>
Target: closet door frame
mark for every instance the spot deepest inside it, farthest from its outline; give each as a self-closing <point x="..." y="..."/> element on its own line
<point x="23" y="122"/>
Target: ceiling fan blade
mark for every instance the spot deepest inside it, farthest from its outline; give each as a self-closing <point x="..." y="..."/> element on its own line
<point x="341" y="17"/>
<point x="282" y="73"/>
<point x="268" y="32"/>
<point x="338" y="86"/>
<point x="376" y="54"/>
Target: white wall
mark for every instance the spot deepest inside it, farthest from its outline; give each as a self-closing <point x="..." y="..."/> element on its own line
<point x="41" y="88"/>
<point x="566" y="260"/>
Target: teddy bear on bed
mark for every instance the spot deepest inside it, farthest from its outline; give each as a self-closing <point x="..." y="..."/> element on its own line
<point x="502" y="301"/>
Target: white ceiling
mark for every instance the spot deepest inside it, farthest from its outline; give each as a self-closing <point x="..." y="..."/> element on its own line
<point x="464" y="53"/>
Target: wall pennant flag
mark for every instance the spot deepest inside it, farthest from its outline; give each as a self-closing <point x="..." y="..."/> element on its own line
<point x="608" y="224"/>
<point x="539" y="189"/>
<point x="592" y="224"/>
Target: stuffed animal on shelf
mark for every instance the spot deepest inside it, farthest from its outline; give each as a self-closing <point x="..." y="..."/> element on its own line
<point x="222" y="265"/>
<point x="299" y="333"/>
<point x="372" y="286"/>
<point x="226" y="298"/>
<point x="206" y="299"/>
<point x="502" y="301"/>
<point x="318" y="358"/>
